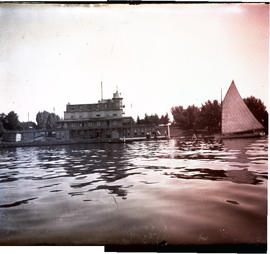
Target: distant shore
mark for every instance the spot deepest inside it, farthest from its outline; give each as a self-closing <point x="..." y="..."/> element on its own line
<point x="53" y="142"/>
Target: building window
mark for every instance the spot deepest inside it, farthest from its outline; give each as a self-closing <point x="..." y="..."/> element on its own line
<point x="97" y="115"/>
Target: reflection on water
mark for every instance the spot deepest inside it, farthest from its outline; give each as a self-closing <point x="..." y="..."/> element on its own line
<point x="176" y="191"/>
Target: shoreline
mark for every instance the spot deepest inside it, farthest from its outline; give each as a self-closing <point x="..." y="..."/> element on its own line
<point x="73" y="142"/>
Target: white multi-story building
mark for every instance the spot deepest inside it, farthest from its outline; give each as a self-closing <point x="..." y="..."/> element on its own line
<point x="104" y="119"/>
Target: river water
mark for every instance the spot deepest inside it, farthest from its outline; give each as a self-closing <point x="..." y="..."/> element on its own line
<point x="179" y="191"/>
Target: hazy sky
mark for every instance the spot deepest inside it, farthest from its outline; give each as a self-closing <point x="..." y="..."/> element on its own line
<point x="159" y="56"/>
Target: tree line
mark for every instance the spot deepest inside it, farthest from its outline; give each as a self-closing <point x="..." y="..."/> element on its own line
<point x="44" y="120"/>
<point x="153" y="119"/>
<point x="208" y="116"/>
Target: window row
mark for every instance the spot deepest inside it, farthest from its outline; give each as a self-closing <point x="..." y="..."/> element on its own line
<point x="92" y="124"/>
<point x="93" y="107"/>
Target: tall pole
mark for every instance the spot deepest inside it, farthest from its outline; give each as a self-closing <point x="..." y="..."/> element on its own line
<point x="221" y="111"/>
<point x="101" y="91"/>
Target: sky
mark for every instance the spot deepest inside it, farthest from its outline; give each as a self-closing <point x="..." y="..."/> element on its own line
<point x="158" y="56"/>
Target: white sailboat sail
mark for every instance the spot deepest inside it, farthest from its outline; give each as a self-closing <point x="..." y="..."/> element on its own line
<point x="236" y="117"/>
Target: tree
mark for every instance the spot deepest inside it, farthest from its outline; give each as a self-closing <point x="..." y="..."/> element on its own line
<point x="153" y="119"/>
<point x="210" y="116"/>
<point x="2" y="129"/>
<point x="11" y="121"/>
<point x="41" y="119"/>
<point x="178" y="115"/>
<point x="51" y="121"/>
<point x="46" y="120"/>
<point x="149" y="119"/>
<point x="185" y="118"/>
<point x="164" y="119"/>
<point x="191" y="115"/>
<point x="258" y="109"/>
<point x="2" y="119"/>
<point x="194" y="118"/>
<point x="146" y="119"/>
<point x="28" y="125"/>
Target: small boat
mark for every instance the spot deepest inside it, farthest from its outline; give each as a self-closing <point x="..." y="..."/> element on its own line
<point x="237" y="120"/>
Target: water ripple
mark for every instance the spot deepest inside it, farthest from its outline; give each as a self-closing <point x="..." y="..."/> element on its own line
<point x="178" y="190"/>
<point x="17" y="203"/>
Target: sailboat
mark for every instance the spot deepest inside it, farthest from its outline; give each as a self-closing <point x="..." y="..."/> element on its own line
<point x="237" y="120"/>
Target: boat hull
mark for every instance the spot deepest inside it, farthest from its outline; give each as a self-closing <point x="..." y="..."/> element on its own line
<point x="242" y="135"/>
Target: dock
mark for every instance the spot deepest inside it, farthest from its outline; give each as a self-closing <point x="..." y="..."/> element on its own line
<point x="133" y="139"/>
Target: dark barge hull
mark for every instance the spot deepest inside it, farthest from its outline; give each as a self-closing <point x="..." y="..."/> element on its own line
<point x="77" y="141"/>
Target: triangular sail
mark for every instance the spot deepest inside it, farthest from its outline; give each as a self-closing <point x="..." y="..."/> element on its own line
<point x="236" y="117"/>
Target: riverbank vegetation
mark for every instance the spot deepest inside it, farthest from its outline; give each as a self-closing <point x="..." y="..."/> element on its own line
<point x="258" y="109"/>
<point x="153" y="119"/>
<point x="11" y="122"/>
<point x="207" y="117"/>
<point x="46" y="120"/>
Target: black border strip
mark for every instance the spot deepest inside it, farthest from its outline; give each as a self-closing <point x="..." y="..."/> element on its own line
<point x="215" y="248"/>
